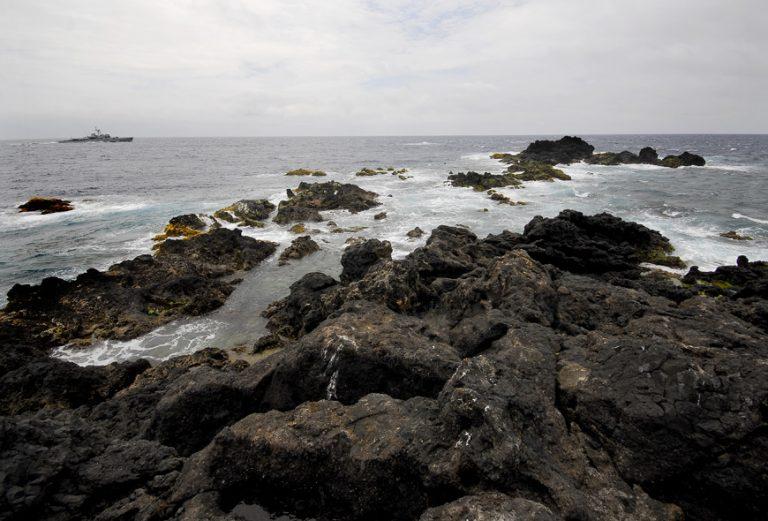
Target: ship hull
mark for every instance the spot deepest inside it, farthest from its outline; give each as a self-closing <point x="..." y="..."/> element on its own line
<point x="104" y="140"/>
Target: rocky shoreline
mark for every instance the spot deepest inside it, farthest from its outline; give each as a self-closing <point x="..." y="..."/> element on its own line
<point x="552" y="374"/>
<point x="545" y="375"/>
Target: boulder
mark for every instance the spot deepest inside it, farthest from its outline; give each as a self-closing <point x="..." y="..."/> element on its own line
<point x="46" y="205"/>
<point x="248" y="212"/>
<point x="305" y="202"/>
<point x="357" y="259"/>
<point x="300" y="247"/>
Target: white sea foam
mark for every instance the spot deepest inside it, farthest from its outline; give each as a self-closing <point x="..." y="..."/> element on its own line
<point x="420" y="144"/>
<point x="753" y="219"/>
<point x="174" y="339"/>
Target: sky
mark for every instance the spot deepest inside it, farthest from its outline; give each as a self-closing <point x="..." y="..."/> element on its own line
<point x="382" y="67"/>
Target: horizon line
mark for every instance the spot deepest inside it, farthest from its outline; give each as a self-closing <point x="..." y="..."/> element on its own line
<point x="290" y="136"/>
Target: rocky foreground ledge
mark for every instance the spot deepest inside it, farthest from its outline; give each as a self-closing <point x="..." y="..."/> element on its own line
<point x="546" y="375"/>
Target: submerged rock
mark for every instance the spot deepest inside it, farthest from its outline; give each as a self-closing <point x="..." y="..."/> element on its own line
<point x="306" y="171"/>
<point x="305" y="202"/>
<point x="735" y="236"/>
<point x="299" y="248"/>
<point x="46" y="205"/>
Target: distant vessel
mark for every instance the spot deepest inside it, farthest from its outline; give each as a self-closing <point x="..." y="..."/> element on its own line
<point x="97" y="135"/>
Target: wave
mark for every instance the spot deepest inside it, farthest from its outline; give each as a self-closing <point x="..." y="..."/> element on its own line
<point x="174" y="339"/>
<point x="753" y="219"/>
<point x="420" y="144"/>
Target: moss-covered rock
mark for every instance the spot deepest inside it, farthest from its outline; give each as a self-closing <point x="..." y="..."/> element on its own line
<point x="484" y="181"/>
<point x="246" y="212"/>
<point x="369" y="172"/>
<point x="298" y="228"/>
<point x="306" y="172"/>
<point x="735" y="236"/>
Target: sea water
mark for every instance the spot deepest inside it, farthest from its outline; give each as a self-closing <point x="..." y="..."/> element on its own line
<point x="124" y="193"/>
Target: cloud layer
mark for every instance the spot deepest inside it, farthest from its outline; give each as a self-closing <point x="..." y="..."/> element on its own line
<point x="343" y="67"/>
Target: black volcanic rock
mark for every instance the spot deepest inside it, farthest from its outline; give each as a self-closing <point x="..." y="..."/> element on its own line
<point x="46" y="205"/>
<point x="184" y="277"/>
<point x="305" y="202"/>
<point x="648" y="155"/>
<point x="565" y="150"/>
<point x="299" y="248"/>
<point x="543" y="375"/>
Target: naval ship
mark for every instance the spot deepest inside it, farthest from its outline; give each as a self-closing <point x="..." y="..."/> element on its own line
<point x="98" y="136"/>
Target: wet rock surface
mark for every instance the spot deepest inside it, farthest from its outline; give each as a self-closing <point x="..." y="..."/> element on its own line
<point x="544" y="375"/>
<point x="46" y="205"/>
<point x="305" y="202"/>
<point x="183" y="277"/>
<point x="299" y="248"/>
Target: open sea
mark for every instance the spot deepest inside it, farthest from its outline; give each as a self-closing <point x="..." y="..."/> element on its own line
<point x="124" y="193"/>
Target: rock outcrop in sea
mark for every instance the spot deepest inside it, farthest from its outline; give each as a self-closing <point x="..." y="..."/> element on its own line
<point x="305" y="202"/>
<point x="46" y="205"/>
<point x="550" y="375"/>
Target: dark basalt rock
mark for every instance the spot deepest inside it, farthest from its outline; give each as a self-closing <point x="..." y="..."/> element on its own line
<point x="648" y="155"/>
<point x="184" y="277"/>
<point x="358" y="258"/>
<point x="542" y="375"/>
<point x="248" y="212"/>
<point x="46" y="205"/>
<point x="299" y="248"/>
<point x="482" y="182"/>
<point x="490" y="506"/>
<point x="305" y="202"/>
<point x="595" y="244"/>
<point x="684" y="159"/>
<point x="189" y="220"/>
<point x="565" y="150"/>
<point x="415" y="233"/>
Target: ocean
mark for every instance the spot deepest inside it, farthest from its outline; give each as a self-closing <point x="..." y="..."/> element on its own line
<point x="124" y="193"/>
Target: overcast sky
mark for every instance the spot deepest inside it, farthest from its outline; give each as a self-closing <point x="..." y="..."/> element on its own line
<point x="345" y="67"/>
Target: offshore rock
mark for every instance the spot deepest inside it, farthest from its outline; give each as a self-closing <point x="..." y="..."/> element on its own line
<point x="565" y="150"/>
<point x="305" y="202"/>
<point x="46" y="205"/>
<point x="248" y="212"/>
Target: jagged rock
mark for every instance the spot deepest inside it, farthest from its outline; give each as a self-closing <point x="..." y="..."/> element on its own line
<point x="648" y="155"/>
<point x="599" y="243"/>
<point x="565" y="150"/>
<point x="542" y="375"/>
<point x="415" y="233"/>
<point x="46" y="205"/>
<point x="684" y="159"/>
<point x="357" y="259"/>
<point x="187" y="225"/>
<point x="490" y="506"/>
<point x="248" y="212"/>
<point x="368" y="348"/>
<point x="482" y="182"/>
<point x="305" y="202"/>
<point x="299" y="248"/>
<point x="184" y="277"/>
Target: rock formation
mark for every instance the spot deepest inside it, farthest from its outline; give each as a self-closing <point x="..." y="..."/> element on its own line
<point x="546" y="375"/>
<point x="46" y="205"/>
<point x="305" y="202"/>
